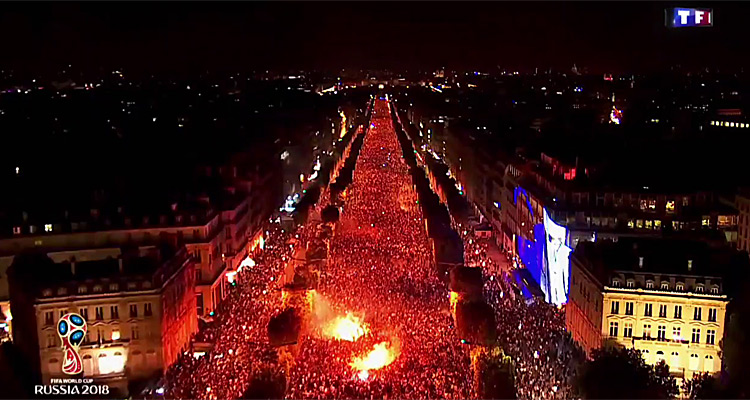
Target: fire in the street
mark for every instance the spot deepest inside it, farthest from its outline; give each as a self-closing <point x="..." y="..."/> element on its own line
<point x="380" y="356"/>
<point x="349" y="328"/>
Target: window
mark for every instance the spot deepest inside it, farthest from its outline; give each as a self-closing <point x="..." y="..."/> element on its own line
<point x="715" y="290"/>
<point x="147" y="309"/>
<point x="627" y="330"/>
<point x="678" y="312"/>
<point x="49" y="318"/>
<point x="114" y="312"/>
<point x="82" y="289"/>
<point x="708" y="364"/>
<point x="113" y="287"/>
<point x="615" y="283"/>
<point x="670" y="206"/>
<point x="16" y="230"/>
<point x="133" y="311"/>
<point x="629" y="308"/>
<point x="674" y="361"/>
<point x="48" y="227"/>
<point x="680" y="287"/>
<point x="134" y="334"/>
<point x="685" y="201"/>
<point x="711" y="336"/>
<point x="697" y="313"/>
<point x="648" y="310"/>
<point x="613" y="329"/>
<point x="199" y="302"/>
<point x="676" y="333"/>
<point x="51" y="342"/>
<point x="115" y="335"/>
<point x="99" y="313"/>
<point x="649" y="284"/>
<point x="84" y="312"/>
<point x="631" y="284"/>
<point x="694" y="361"/>
<point x="696" y="338"/>
<point x="661" y="332"/>
<point x="647" y="331"/>
<point x="615" y="309"/>
<point x="699" y="289"/>
<point x="711" y="315"/>
<point x="662" y="311"/>
<point x="665" y="286"/>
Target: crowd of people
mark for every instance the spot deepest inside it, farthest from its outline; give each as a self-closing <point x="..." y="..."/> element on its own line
<point x="531" y="331"/>
<point x="237" y="334"/>
<point x="379" y="268"/>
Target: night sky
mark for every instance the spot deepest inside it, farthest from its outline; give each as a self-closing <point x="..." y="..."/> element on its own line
<point x="172" y="36"/>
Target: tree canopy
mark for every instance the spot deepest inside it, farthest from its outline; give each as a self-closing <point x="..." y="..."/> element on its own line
<point x="620" y="373"/>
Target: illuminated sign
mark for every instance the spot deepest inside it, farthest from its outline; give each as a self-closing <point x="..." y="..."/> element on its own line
<point x="689" y="17"/>
<point x="72" y="330"/>
<point x="557" y="255"/>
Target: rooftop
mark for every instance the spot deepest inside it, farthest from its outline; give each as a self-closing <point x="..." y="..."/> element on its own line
<point x="658" y="256"/>
<point x="149" y="268"/>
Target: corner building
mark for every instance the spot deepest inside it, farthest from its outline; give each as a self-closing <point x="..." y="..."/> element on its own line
<point x="140" y="313"/>
<point x="664" y="298"/>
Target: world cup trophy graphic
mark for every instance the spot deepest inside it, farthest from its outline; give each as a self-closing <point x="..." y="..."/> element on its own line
<point x="72" y="330"/>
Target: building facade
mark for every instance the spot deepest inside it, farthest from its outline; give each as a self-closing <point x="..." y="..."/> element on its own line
<point x="662" y="298"/>
<point x="139" y="310"/>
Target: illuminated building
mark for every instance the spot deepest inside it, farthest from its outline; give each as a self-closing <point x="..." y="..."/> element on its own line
<point x="665" y="298"/>
<point x="728" y="120"/>
<point x="742" y="203"/>
<point x="216" y="230"/>
<point x="590" y="213"/>
<point x="139" y="308"/>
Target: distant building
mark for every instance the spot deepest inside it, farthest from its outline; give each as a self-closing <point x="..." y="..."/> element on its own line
<point x="665" y="298"/>
<point x="140" y="311"/>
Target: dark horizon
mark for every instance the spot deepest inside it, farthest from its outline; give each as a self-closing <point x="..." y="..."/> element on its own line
<point x="186" y="37"/>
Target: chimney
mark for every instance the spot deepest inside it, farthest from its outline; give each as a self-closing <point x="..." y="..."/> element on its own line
<point x="640" y="262"/>
<point x="119" y="264"/>
<point x="73" y="267"/>
<point x="690" y="265"/>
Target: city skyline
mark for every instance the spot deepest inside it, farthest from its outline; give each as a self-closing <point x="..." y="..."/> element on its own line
<point x="157" y="37"/>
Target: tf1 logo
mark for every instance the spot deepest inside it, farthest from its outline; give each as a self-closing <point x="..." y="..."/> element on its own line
<point x="686" y="17"/>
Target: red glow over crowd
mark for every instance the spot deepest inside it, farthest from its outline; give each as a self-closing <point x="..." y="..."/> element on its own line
<point x="404" y="343"/>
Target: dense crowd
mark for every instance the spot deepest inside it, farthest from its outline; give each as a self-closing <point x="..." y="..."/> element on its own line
<point x="531" y="331"/>
<point x="238" y="332"/>
<point x="380" y="268"/>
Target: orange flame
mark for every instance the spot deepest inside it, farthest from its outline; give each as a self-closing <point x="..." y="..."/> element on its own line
<point x="380" y="356"/>
<point x="349" y="328"/>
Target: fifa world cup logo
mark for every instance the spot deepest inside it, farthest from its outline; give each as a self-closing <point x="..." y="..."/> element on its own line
<point x="72" y="330"/>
